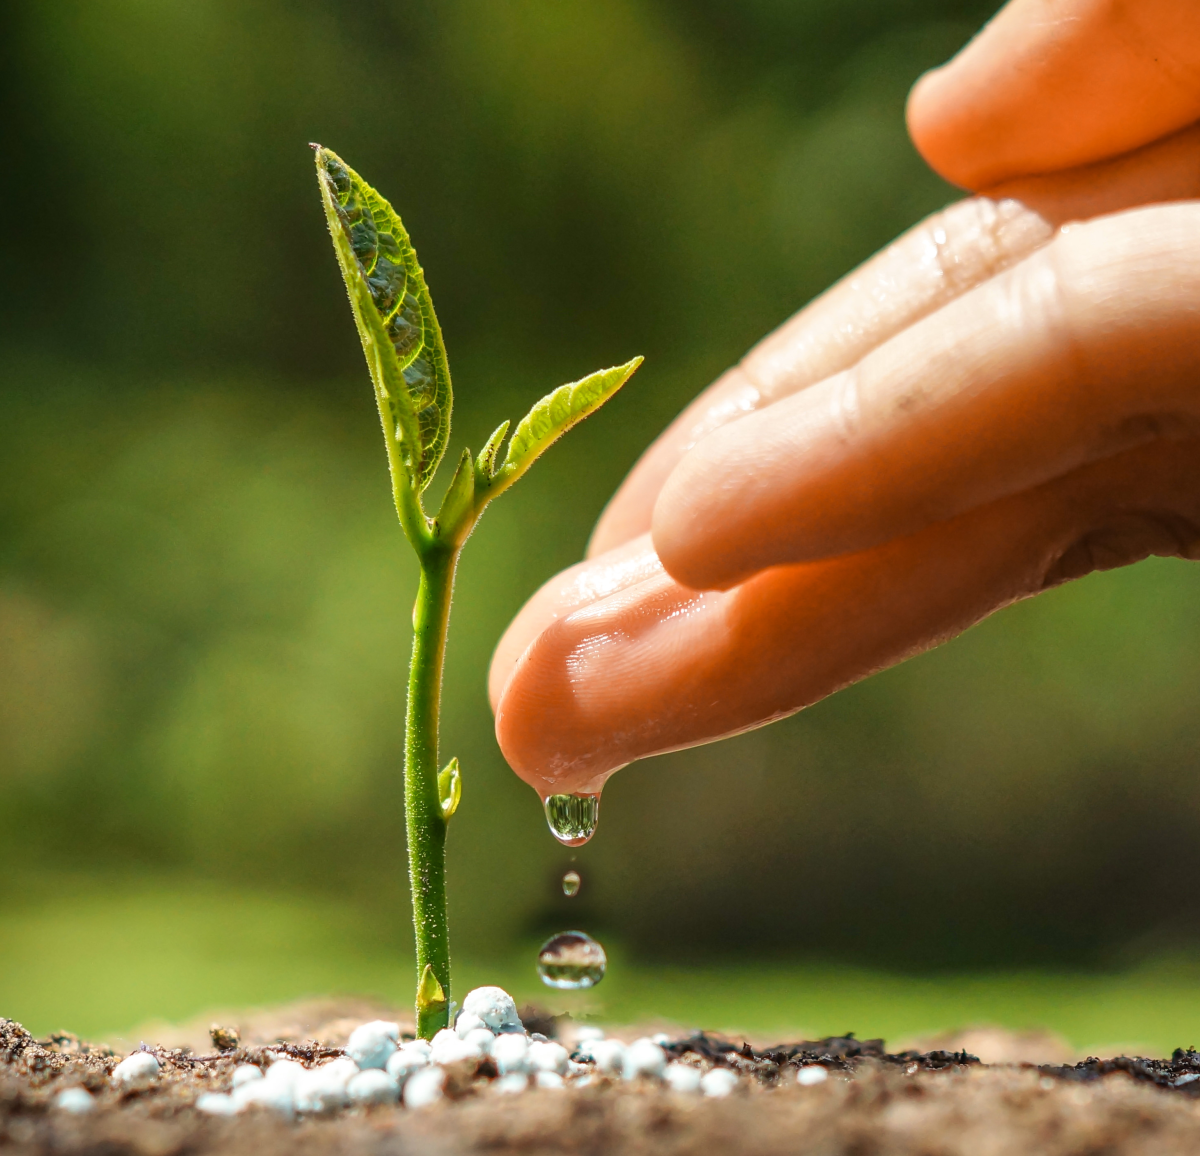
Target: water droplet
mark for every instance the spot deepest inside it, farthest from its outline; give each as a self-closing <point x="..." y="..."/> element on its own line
<point x="572" y="818"/>
<point x="571" y="883"/>
<point x="571" y="960"/>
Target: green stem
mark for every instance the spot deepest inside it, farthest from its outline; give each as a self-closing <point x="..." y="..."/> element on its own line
<point x="422" y="806"/>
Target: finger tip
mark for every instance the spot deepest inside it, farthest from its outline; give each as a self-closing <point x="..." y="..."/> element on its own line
<point x="931" y="115"/>
<point x="682" y="513"/>
<point x="687" y="531"/>
<point x="553" y="740"/>
<point x="537" y="728"/>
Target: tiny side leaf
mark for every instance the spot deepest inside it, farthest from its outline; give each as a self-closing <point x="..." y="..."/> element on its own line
<point x="457" y="514"/>
<point x="429" y="992"/>
<point x="556" y="413"/>
<point x="485" y="463"/>
<point x="450" y="788"/>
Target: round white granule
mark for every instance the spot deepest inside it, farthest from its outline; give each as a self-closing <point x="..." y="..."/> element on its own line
<point x="137" y="1068"/>
<point x="372" y="1086"/>
<point x="372" y="1044"/>
<point x="494" y="1006"/>
<point x="74" y="1100"/>
<point x="244" y="1073"/>
<point x="548" y="1057"/>
<point x="424" y="1087"/>
<point x="608" y="1056"/>
<point x="682" y="1077"/>
<point x="719" y="1082"/>
<point x="216" y="1104"/>
<point x="644" y="1058"/>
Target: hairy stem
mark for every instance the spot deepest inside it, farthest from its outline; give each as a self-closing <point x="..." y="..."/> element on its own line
<point x="422" y="807"/>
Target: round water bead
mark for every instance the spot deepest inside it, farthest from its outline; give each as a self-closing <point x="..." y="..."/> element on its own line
<point x="570" y="883"/>
<point x="572" y="818"/>
<point x="571" y="960"/>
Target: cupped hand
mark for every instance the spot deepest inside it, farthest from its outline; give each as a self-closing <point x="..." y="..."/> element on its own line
<point x="1006" y="398"/>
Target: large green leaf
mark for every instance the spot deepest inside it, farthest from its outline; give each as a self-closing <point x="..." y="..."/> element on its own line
<point x="394" y="312"/>
<point x="556" y="413"/>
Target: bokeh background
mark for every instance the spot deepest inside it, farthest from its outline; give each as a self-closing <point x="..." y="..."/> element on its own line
<point x="204" y="597"/>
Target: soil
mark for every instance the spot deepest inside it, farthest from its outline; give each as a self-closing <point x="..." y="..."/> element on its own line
<point x="936" y="1102"/>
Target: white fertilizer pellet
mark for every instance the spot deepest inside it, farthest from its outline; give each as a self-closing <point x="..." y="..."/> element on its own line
<point x="323" y="1089"/>
<point x="404" y="1062"/>
<point x="511" y="1084"/>
<point x="371" y="1045"/>
<point x="74" y="1100"/>
<point x="548" y="1057"/>
<point x="276" y="1095"/>
<point x="216" y="1104"/>
<point x="511" y="1053"/>
<point x="138" y="1068"/>
<point x="372" y="1086"/>
<point x="719" y="1082"/>
<point x="284" y="1072"/>
<point x="494" y="1006"/>
<point x="608" y="1056"/>
<point x="682" y="1077"/>
<point x="244" y="1073"/>
<point x="468" y="1022"/>
<point x="424" y="1087"/>
<point x="482" y="1039"/>
<point x="644" y="1058"/>
<point x="449" y="1049"/>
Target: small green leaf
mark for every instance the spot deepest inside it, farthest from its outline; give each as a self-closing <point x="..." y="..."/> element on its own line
<point x="485" y="463"/>
<point x="429" y="992"/>
<point x="394" y="312"/>
<point x="457" y="514"/>
<point x="558" y="412"/>
<point x="450" y="788"/>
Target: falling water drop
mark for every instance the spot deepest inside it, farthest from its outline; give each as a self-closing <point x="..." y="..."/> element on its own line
<point x="572" y="818"/>
<point x="570" y="883"/>
<point x="571" y="960"/>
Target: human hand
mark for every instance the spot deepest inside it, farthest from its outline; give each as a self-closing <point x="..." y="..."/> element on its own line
<point x="1000" y="401"/>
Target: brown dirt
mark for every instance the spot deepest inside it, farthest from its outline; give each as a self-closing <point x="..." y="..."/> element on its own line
<point x="939" y="1102"/>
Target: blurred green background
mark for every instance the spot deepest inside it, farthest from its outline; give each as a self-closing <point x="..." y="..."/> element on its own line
<point x="204" y="596"/>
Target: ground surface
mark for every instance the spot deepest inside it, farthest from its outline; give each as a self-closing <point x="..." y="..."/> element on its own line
<point x="935" y="1103"/>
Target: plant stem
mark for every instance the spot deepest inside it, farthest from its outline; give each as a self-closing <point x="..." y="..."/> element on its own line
<point x="422" y="806"/>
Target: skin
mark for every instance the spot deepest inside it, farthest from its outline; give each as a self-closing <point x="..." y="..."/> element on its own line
<point x="1006" y="398"/>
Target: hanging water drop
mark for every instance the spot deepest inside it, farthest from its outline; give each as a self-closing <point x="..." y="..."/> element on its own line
<point x="572" y="818"/>
<point x="570" y="883"/>
<point x="571" y="960"/>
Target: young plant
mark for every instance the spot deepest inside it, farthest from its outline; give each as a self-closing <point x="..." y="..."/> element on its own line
<point x="407" y="361"/>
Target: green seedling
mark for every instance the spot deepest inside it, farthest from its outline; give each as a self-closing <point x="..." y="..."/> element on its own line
<point x="407" y="361"/>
